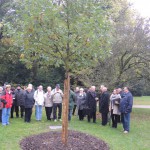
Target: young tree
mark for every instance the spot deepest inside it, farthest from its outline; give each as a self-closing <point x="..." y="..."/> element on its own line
<point x="69" y="33"/>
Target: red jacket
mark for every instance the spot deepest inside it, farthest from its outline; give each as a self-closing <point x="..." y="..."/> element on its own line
<point x="8" y="98"/>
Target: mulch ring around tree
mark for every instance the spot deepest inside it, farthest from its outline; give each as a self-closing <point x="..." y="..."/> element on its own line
<point x="52" y="141"/>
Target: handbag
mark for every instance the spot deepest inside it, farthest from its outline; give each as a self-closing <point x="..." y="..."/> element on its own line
<point x="117" y="101"/>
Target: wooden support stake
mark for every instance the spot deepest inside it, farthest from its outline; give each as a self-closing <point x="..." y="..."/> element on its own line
<point x="65" y="110"/>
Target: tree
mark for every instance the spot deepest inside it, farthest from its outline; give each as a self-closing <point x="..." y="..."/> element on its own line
<point x="128" y="64"/>
<point x="69" y="33"/>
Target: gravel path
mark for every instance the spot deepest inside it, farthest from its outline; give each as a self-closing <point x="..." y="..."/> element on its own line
<point x="141" y="106"/>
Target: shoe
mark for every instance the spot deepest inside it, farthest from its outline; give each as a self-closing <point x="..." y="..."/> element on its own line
<point x="60" y="120"/>
<point x="125" y="132"/>
<point x="55" y="120"/>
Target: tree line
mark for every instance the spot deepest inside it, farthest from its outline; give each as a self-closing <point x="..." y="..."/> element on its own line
<point x="114" y="53"/>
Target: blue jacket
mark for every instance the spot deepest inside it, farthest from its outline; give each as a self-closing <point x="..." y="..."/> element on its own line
<point x="126" y="103"/>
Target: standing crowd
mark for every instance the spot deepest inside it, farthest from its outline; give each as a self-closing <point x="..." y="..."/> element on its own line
<point x="82" y="102"/>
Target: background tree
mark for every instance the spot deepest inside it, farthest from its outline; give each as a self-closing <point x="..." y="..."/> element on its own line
<point x="129" y="62"/>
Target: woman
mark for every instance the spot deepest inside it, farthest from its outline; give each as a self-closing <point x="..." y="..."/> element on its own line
<point x="81" y="103"/>
<point x="7" y="100"/>
<point x="48" y="103"/>
<point x="114" y="107"/>
<point x="29" y="102"/>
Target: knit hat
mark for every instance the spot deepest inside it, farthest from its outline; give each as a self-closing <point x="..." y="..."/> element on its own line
<point x="57" y="86"/>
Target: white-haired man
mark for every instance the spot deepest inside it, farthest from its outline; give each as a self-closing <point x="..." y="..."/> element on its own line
<point x="91" y="103"/>
<point x="39" y="102"/>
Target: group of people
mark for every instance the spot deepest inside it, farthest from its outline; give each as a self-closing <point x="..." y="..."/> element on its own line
<point x="23" y="100"/>
<point x="119" y="103"/>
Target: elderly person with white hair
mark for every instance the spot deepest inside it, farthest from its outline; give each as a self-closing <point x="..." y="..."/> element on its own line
<point x="48" y="103"/>
<point x="39" y="102"/>
<point x="81" y="103"/>
<point x="29" y="102"/>
<point x="91" y="103"/>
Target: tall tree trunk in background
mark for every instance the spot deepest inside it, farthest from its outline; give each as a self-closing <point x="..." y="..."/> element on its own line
<point x="65" y="109"/>
<point x="34" y="72"/>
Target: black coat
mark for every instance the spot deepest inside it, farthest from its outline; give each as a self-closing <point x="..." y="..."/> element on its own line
<point x="19" y="98"/>
<point x="29" y="99"/>
<point x="91" y="102"/>
<point x="104" y="103"/>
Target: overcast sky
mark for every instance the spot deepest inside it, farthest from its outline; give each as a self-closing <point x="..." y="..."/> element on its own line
<point x="142" y="6"/>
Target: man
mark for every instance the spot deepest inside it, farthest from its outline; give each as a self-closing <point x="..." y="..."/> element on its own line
<point x="57" y="97"/>
<point x="91" y="103"/>
<point x="104" y="105"/>
<point x="75" y="103"/>
<point x="19" y="101"/>
<point x="126" y="108"/>
<point x="119" y="91"/>
<point x="39" y="102"/>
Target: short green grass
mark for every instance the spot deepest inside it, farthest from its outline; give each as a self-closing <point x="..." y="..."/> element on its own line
<point x="137" y="139"/>
<point x="143" y="100"/>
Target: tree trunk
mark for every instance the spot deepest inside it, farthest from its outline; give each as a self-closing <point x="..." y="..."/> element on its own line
<point x="65" y="109"/>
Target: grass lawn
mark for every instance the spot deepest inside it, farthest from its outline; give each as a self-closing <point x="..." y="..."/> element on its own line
<point x="143" y="100"/>
<point x="137" y="139"/>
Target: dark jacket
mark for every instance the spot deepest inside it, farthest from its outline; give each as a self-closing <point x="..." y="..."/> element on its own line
<point x="91" y="101"/>
<point x="19" y="97"/>
<point x="81" y="101"/>
<point x="76" y="95"/>
<point x="104" y="103"/>
<point x="71" y="99"/>
<point x="13" y="95"/>
<point x="29" y="99"/>
<point x="126" y="103"/>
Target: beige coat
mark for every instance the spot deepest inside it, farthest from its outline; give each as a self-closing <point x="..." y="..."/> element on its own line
<point x="113" y="106"/>
<point x="48" y="100"/>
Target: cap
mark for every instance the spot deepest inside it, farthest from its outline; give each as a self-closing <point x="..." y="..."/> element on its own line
<point x="57" y="85"/>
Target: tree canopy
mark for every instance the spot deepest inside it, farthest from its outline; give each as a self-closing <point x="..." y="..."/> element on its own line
<point x="72" y="34"/>
<point x="44" y="39"/>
